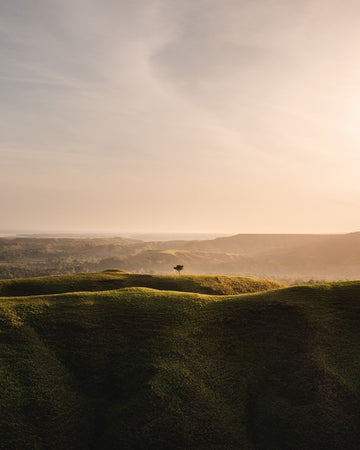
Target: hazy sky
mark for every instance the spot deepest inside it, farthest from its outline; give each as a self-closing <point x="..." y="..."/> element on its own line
<point x="192" y="115"/>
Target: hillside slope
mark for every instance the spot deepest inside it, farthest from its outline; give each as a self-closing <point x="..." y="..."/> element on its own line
<point x="336" y="255"/>
<point x="137" y="368"/>
<point x="116" y="279"/>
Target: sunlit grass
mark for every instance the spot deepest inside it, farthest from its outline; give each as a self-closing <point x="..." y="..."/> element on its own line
<point x="137" y="367"/>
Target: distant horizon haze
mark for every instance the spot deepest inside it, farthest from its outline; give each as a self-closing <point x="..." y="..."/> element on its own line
<point x="149" y="235"/>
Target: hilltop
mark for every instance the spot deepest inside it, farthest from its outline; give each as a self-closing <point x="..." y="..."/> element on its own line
<point x="116" y="279"/>
<point x="141" y="368"/>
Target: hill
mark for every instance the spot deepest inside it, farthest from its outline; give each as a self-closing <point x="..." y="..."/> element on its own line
<point x="282" y="257"/>
<point x="139" y="368"/>
<point x="244" y="244"/>
<point x="116" y="279"/>
<point x="338" y="255"/>
<point x="276" y="256"/>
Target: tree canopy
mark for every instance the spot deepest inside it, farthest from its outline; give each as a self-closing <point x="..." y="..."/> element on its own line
<point x="178" y="268"/>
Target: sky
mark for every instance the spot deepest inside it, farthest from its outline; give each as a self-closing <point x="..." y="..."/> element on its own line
<point x="237" y="116"/>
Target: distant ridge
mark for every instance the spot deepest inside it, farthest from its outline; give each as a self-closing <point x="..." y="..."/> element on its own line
<point x="286" y="258"/>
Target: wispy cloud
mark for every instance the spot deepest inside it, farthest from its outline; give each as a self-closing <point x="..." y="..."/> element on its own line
<point x="234" y="99"/>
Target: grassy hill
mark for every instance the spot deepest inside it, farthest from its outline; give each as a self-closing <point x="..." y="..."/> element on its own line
<point x="139" y="368"/>
<point x="116" y="279"/>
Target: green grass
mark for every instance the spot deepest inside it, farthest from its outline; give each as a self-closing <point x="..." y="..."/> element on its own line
<point x="116" y="279"/>
<point x="139" y="368"/>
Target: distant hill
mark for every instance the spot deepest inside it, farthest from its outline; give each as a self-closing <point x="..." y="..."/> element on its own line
<point x="334" y="256"/>
<point x="327" y="257"/>
<point x="245" y="244"/>
<point x="281" y="257"/>
<point x="139" y="368"/>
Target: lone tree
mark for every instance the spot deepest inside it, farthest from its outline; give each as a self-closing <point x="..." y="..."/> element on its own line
<point x="179" y="268"/>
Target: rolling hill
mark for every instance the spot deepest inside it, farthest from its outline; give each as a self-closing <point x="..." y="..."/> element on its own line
<point x="143" y="368"/>
<point x="116" y="279"/>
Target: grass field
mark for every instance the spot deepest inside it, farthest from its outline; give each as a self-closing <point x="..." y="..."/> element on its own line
<point x="116" y="279"/>
<point x="142" y="368"/>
